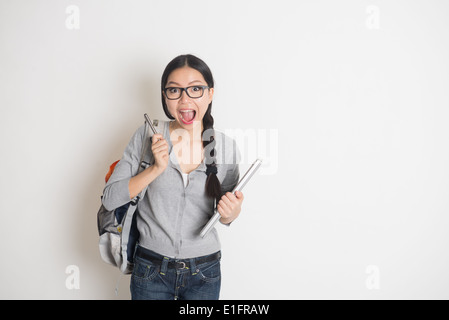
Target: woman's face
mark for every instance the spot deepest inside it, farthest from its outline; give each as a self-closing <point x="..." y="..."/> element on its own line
<point x="188" y="111"/>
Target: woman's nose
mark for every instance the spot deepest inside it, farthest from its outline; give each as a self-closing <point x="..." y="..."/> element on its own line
<point x="184" y="97"/>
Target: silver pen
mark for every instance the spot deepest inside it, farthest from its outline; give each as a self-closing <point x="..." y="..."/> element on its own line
<point x="147" y="118"/>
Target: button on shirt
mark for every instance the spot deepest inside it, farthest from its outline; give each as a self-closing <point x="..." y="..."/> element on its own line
<point x="175" y="207"/>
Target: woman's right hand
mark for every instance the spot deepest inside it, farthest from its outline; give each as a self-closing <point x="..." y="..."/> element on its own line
<point x="160" y="152"/>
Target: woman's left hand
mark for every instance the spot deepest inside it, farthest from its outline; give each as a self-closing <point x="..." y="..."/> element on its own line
<point x="229" y="206"/>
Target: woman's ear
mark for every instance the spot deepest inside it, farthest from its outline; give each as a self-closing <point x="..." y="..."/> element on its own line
<point x="211" y="94"/>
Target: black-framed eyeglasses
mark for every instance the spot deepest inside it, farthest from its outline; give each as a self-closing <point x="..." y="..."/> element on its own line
<point x="194" y="92"/>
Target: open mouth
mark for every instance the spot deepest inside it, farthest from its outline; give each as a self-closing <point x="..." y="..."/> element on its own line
<point x="187" y="116"/>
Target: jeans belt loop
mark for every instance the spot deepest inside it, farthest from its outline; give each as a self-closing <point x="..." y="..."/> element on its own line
<point x="193" y="268"/>
<point x="164" y="266"/>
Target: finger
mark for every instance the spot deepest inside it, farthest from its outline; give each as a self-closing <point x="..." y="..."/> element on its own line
<point x="223" y="211"/>
<point x="225" y="201"/>
<point x="160" y="143"/>
<point x="223" y="204"/>
<point x="239" y="195"/>
<point x="157" y="149"/>
<point x="231" y="197"/>
<point x="157" y="137"/>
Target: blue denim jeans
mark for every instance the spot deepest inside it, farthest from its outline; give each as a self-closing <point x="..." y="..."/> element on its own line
<point x="161" y="281"/>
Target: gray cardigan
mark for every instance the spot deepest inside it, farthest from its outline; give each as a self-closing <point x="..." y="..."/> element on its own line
<point x="171" y="216"/>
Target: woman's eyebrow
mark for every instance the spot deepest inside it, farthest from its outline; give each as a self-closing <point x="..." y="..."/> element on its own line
<point x="175" y="83"/>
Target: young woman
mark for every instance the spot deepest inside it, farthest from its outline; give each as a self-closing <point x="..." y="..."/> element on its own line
<point x="194" y="169"/>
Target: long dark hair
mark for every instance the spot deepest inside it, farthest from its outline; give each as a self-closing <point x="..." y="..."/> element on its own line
<point x="213" y="186"/>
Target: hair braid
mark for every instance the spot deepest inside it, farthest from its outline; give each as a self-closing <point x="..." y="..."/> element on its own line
<point x="213" y="186"/>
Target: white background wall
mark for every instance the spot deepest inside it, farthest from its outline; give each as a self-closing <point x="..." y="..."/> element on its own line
<point x="349" y="100"/>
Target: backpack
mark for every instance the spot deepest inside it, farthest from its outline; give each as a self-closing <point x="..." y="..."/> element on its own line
<point x="118" y="228"/>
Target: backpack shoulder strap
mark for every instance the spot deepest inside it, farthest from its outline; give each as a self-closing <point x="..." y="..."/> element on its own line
<point x="146" y="158"/>
<point x="146" y="155"/>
